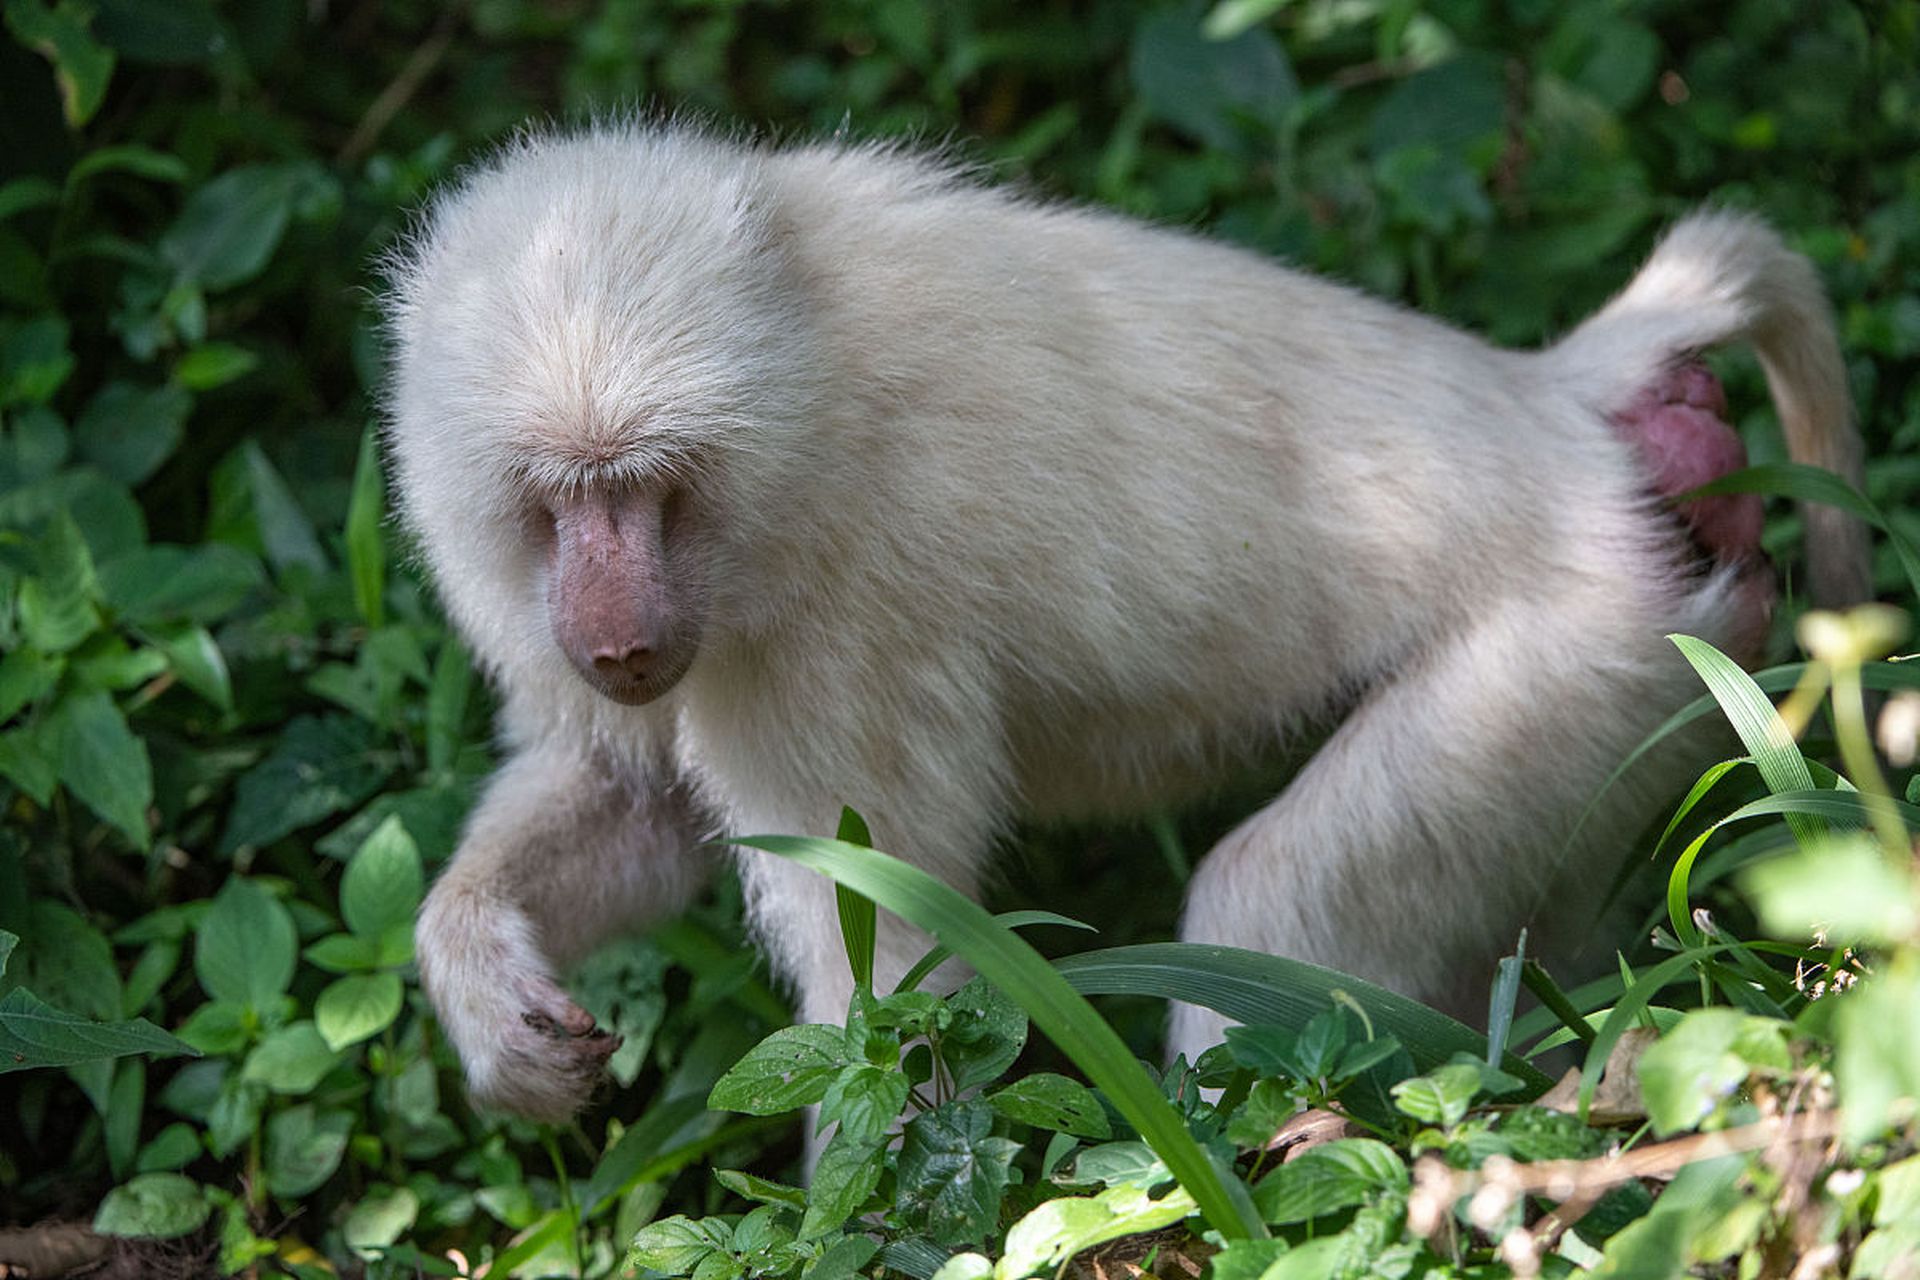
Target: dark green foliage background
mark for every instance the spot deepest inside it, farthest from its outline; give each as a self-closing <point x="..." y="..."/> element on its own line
<point x="219" y="664"/>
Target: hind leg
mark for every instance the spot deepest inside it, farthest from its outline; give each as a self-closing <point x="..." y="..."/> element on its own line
<point x="1425" y="833"/>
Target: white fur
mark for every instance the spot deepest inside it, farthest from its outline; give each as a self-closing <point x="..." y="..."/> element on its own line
<point x="1022" y="510"/>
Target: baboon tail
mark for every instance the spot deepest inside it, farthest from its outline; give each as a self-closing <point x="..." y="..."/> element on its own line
<point x="1720" y="277"/>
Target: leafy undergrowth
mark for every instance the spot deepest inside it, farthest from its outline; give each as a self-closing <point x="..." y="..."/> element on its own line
<point x="236" y="738"/>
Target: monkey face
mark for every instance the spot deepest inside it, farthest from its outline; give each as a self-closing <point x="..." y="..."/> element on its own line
<point x="622" y="602"/>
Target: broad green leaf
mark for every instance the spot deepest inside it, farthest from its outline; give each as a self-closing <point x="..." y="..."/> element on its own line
<point x="20" y="195"/>
<point x="128" y="430"/>
<point x="166" y="32"/>
<point x="843" y="1180"/>
<point x="384" y="883"/>
<point x="304" y="1146"/>
<point x="292" y="1059"/>
<point x="102" y="762"/>
<point x="1844" y="886"/>
<point x="1050" y="1101"/>
<point x="26" y="675"/>
<point x="345" y="953"/>
<point x="165" y="583"/>
<point x="355" y="1007"/>
<point x="111" y="665"/>
<point x="1047" y="1237"/>
<point x="34" y="359"/>
<point x="1212" y="89"/>
<point x="366" y="554"/>
<point x="1454" y="106"/>
<point x="764" y="1191"/>
<point x="196" y="659"/>
<point x="865" y="1101"/>
<point x="26" y="762"/>
<point x="158" y="1206"/>
<point x="174" y="1147"/>
<point x="1440" y="1097"/>
<point x="81" y="65"/>
<point x="675" y="1246"/>
<point x="56" y="602"/>
<point x="144" y="162"/>
<point x="1877" y="1048"/>
<point x="244" y="946"/>
<point x="1014" y="968"/>
<point x="35" y="1034"/>
<point x="378" y="1219"/>
<point x="1702" y="1059"/>
<point x="219" y="1027"/>
<point x="285" y="531"/>
<point x="230" y="227"/>
<point x="213" y="364"/>
<point x="953" y="1171"/>
<point x="1325" y="1179"/>
<point x="794" y="1067"/>
<point x="987" y="1033"/>
<point x="321" y="765"/>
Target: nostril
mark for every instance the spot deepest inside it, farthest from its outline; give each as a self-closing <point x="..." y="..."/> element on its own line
<point x="630" y="663"/>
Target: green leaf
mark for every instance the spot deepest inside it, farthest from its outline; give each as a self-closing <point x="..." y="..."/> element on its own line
<point x="81" y="66"/>
<point x="26" y="675"/>
<point x="285" y="530"/>
<point x="1876" y="1061"/>
<point x="244" y="946"/>
<point x="166" y="32"/>
<point x="35" y="1034"/>
<point x="1255" y="988"/>
<point x="56" y="603"/>
<point x="291" y="1060"/>
<point x="366" y="555"/>
<point x="675" y="1246"/>
<point x="752" y="1187"/>
<point x="865" y="1101"/>
<point x="174" y="1147"/>
<point x="196" y="659"/>
<point x="128" y="430"/>
<point x="1440" y="1097"/>
<point x="166" y="583"/>
<point x="447" y="703"/>
<point x="1043" y="1241"/>
<point x="384" y="883"/>
<point x="1455" y="106"/>
<point x="1701" y="1060"/>
<point x="321" y="765"/>
<point x="102" y="762"/>
<point x="1842" y="885"/>
<point x="22" y="195"/>
<point x="353" y="1008"/>
<point x="1762" y="731"/>
<point x="143" y="162"/>
<point x="843" y="1181"/>
<point x="792" y="1068"/>
<point x="1013" y="967"/>
<point x="987" y="1033"/>
<point x="26" y="762"/>
<point x="159" y="1206"/>
<point x="953" y="1171"/>
<point x="218" y="1027"/>
<point x="213" y="364"/>
<point x="345" y="953"/>
<point x="1325" y="1179"/>
<point x="34" y="359"/>
<point x="1049" y="1101"/>
<point x="230" y="227"/>
<point x="379" y="1219"/>
<point x="859" y="930"/>
<point x="304" y="1146"/>
<point x="1222" y="92"/>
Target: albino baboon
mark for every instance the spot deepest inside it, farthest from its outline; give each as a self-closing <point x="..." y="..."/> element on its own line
<point x="767" y="480"/>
